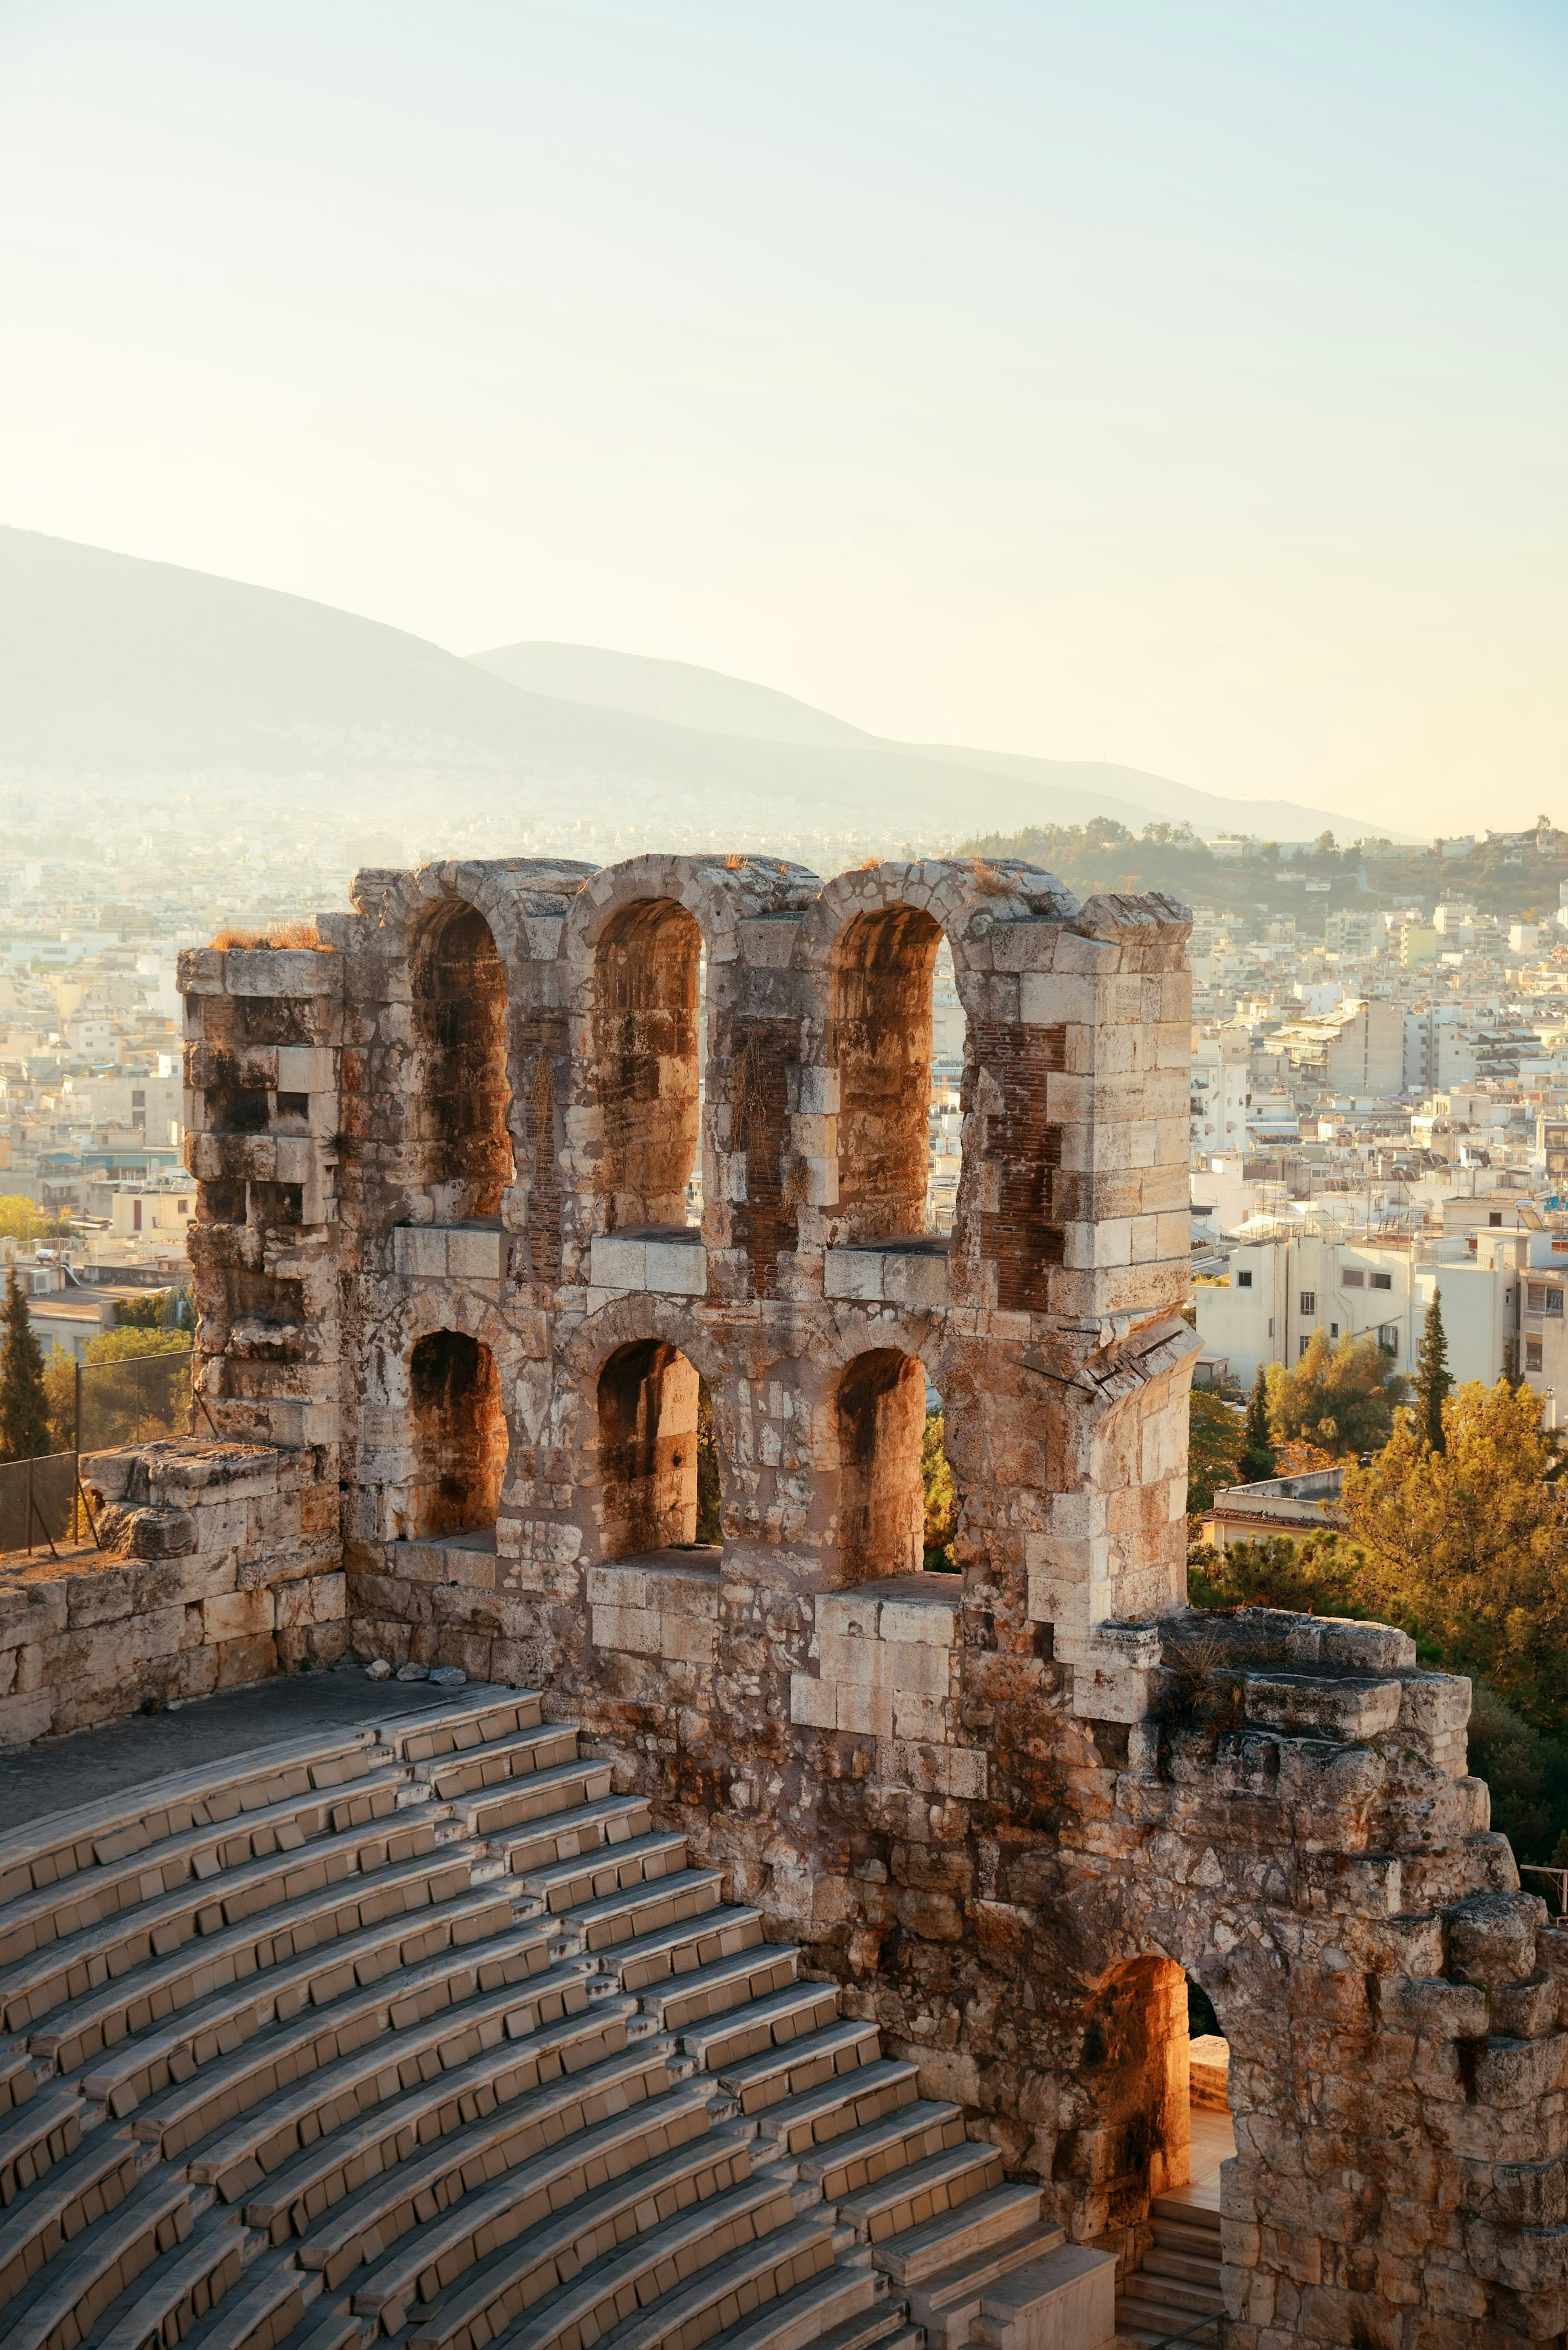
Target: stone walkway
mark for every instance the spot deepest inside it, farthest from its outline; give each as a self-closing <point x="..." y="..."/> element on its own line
<point x="56" y="1773"/>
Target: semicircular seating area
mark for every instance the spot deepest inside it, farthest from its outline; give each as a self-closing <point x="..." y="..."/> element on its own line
<point x="419" y="2034"/>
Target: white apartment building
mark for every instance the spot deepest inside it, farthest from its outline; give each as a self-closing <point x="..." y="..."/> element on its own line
<point x="1221" y="1090"/>
<point x="1287" y="1283"/>
<point x="1357" y="1049"/>
<point x="1500" y="1283"/>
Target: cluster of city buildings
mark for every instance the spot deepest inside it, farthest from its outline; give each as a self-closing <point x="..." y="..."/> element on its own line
<point x="1378" y="1116"/>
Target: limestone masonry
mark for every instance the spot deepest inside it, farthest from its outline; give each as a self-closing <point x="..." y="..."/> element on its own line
<point x="457" y="1345"/>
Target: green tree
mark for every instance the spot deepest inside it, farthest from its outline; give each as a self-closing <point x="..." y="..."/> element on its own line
<point x="24" y="1222"/>
<point x="1340" y="1396"/>
<point x="24" y="1404"/>
<point x="145" y="1312"/>
<point x="710" y="1517"/>
<point x="1468" y="1546"/>
<point x="1527" y="1774"/>
<point x="941" y="1496"/>
<point x="1213" y="1448"/>
<point x="1434" y="1381"/>
<point x="1318" y="1575"/>
<point x="1257" y="1448"/>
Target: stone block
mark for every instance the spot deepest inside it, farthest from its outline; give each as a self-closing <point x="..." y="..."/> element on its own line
<point x="475" y="1253"/>
<point x="418" y="1251"/>
<point x="853" y="1273"/>
<point x="617" y="1263"/>
<point x="919" y="1280"/>
<point x="811" y="1702"/>
<point x="237" y="1616"/>
<point x="676" y="1268"/>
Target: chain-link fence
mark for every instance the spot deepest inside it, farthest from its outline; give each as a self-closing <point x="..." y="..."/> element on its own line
<point x="128" y="1401"/>
<point x="39" y="1505"/>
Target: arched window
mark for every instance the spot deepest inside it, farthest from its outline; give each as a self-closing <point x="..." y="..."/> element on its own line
<point x="647" y="1028"/>
<point x="657" y="1462"/>
<point x="458" y="1436"/>
<point x="460" y="1028"/>
<point x="881" y="1015"/>
<point x="882" y="1498"/>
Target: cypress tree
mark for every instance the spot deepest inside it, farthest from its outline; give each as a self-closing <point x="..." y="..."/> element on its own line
<point x="1257" y="1449"/>
<point x="1433" y="1376"/>
<point x="24" y="1400"/>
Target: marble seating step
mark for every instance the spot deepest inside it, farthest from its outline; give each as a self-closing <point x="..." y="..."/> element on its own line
<point x="106" y="2012"/>
<point x="844" y="2105"/>
<point x="908" y="2193"/>
<point x="73" y="2292"/>
<point x="699" y="1934"/>
<point x="413" y="2129"/>
<point x="607" y="1865"/>
<point x="642" y="1911"/>
<point x="179" y="2289"/>
<point x="851" y="2165"/>
<point x="536" y="1798"/>
<point x="183" y="2013"/>
<point x="623" y="2291"/>
<point x="723" y="2293"/>
<point x="482" y="1952"/>
<point x="463" y="2281"/>
<point x="72" y="2197"/>
<point x="420" y="2186"/>
<point x="311" y="2055"/>
<point x="1069" y="2295"/>
<point x="834" y="2309"/>
<point x="195" y="1858"/>
<point x="701" y="1989"/>
<point x="480" y="1718"/>
<point x="804" y="2060"/>
<point x="96" y="1835"/>
<point x="35" y="2136"/>
<point x="286" y="2121"/>
<point x="89" y="1958"/>
<point x="18" y="2075"/>
<point x="497" y="1767"/>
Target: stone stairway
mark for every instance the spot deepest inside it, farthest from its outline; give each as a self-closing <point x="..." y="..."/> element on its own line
<point x="1179" y="2280"/>
<point x="420" y="2035"/>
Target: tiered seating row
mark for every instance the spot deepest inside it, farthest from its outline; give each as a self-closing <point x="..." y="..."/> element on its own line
<point x="469" y="2053"/>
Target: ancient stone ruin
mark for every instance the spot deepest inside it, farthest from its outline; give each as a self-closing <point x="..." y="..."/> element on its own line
<point x="808" y="1930"/>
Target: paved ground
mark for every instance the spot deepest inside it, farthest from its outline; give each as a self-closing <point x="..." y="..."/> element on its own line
<point x="58" y="1772"/>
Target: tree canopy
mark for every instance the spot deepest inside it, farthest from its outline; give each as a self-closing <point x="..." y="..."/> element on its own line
<point x="1466" y="1547"/>
<point x="1341" y="1395"/>
<point x="23" y="1405"/>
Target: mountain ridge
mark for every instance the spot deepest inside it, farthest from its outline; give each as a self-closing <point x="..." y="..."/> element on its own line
<point x="115" y="666"/>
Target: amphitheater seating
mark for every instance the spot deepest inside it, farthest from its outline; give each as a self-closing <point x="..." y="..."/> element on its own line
<point x="423" y="2034"/>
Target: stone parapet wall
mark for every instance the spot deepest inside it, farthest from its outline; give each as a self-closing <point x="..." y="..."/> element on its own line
<point x="215" y="1565"/>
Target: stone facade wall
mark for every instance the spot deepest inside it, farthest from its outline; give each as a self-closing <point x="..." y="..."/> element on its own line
<point x="216" y="1565"/>
<point x="1008" y="1808"/>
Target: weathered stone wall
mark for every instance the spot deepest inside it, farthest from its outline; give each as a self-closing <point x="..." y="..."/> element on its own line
<point x="216" y="1565"/>
<point x="1007" y="1808"/>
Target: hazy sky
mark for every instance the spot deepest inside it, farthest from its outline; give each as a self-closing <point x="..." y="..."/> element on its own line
<point x="1181" y="384"/>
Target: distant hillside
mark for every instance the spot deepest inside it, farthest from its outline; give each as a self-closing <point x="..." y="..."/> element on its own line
<point x="116" y="667"/>
<point x="706" y="700"/>
<point x="675" y="692"/>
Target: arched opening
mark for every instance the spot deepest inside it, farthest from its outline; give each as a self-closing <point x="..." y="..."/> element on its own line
<point x="659" y="1473"/>
<point x="938" y="1491"/>
<point x="458" y="1436"/>
<point x="460" y="1028"/>
<point x="1158" y="2090"/>
<point x="881" y="1495"/>
<point x="881" y="1009"/>
<point x="648" y="1033"/>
